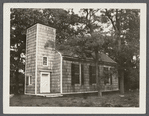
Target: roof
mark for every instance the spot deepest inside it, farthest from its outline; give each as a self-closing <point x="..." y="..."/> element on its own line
<point x="104" y="57"/>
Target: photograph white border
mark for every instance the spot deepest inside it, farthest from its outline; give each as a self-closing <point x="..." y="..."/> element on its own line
<point x="73" y="110"/>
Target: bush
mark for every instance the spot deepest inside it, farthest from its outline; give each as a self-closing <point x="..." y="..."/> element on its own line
<point x="131" y="79"/>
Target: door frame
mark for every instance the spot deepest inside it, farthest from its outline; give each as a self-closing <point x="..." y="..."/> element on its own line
<point x="41" y="80"/>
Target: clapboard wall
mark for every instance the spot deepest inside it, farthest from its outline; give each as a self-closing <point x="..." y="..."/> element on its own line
<point x="40" y="42"/>
<point x="46" y="44"/>
<point x="55" y="75"/>
<point x="30" y="58"/>
<point x="114" y="85"/>
<point x="67" y="87"/>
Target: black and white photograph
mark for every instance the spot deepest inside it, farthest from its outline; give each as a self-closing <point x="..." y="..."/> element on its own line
<point x="74" y="58"/>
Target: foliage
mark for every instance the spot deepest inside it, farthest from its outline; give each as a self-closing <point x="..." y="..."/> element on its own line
<point x="132" y="80"/>
<point x="127" y="23"/>
<point x="89" y="44"/>
<point x="85" y="47"/>
<point x="63" y="21"/>
<point x="21" y="19"/>
<point x="124" y="49"/>
<point x="121" y="42"/>
<point x="83" y="35"/>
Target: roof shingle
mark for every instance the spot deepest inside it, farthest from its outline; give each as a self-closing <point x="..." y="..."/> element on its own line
<point x="104" y="57"/>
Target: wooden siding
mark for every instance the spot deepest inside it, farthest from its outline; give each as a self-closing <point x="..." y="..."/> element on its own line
<point x="55" y="75"/>
<point x="66" y="83"/>
<point x="36" y="50"/>
<point x="109" y="87"/>
<point x="44" y="34"/>
<point x="31" y="57"/>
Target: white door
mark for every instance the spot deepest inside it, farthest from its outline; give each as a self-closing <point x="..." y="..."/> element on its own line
<point x="45" y="83"/>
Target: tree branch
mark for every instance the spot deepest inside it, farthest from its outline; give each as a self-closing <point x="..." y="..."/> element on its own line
<point x="110" y="20"/>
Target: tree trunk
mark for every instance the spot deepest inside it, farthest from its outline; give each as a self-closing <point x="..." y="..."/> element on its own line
<point x="119" y="51"/>
<point x="98" y="80"/>
<point x="122" y="82"/>
<point x="117" y="28"/>
<point x="121" y="74"/>
<point x="23" y="85"/>
<point x="16" y="82"/>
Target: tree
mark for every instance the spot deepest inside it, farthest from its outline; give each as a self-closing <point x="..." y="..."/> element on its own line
<point x="89" y="47"/>
<point x="21" y="19"/>
<point x="69" y="25"/>
<point x="122" y="44"/>
<point x="125" y="24"/>
<point x="89" y="41"/>
<point x="63" y="21"/>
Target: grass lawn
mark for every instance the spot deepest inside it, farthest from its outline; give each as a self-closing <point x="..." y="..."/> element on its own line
<point x="112" y="99"/>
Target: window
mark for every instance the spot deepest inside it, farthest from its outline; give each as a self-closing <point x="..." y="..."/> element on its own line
<point x="45" y="61"/>
<point x="82" y="74"/>
<point x="92" y="75"/>
<point x="107" y="71"/>
<point x="28" y="80"/>
<point x="111" y="73"/>
<point x="75" y="74"/>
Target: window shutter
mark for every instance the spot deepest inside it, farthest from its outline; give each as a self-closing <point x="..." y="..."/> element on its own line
<point x="30" y="79"/>
<point x="111" y="71"/>
<point x="72" y="74"/>
<point x="90" y="75"/>
<point x="82" y="74"/>
<point x="93" y="74"/>
<point x="76" y="74"/>
<point x="98" y="71"/>
<point x="111" y="79"/>
<point x="27" y="80"/>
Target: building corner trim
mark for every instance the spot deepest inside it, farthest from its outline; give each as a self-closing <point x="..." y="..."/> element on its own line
<point x="25" y="65"/>
<point x="61" y="90"/>
<point x="36" y="61"/>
